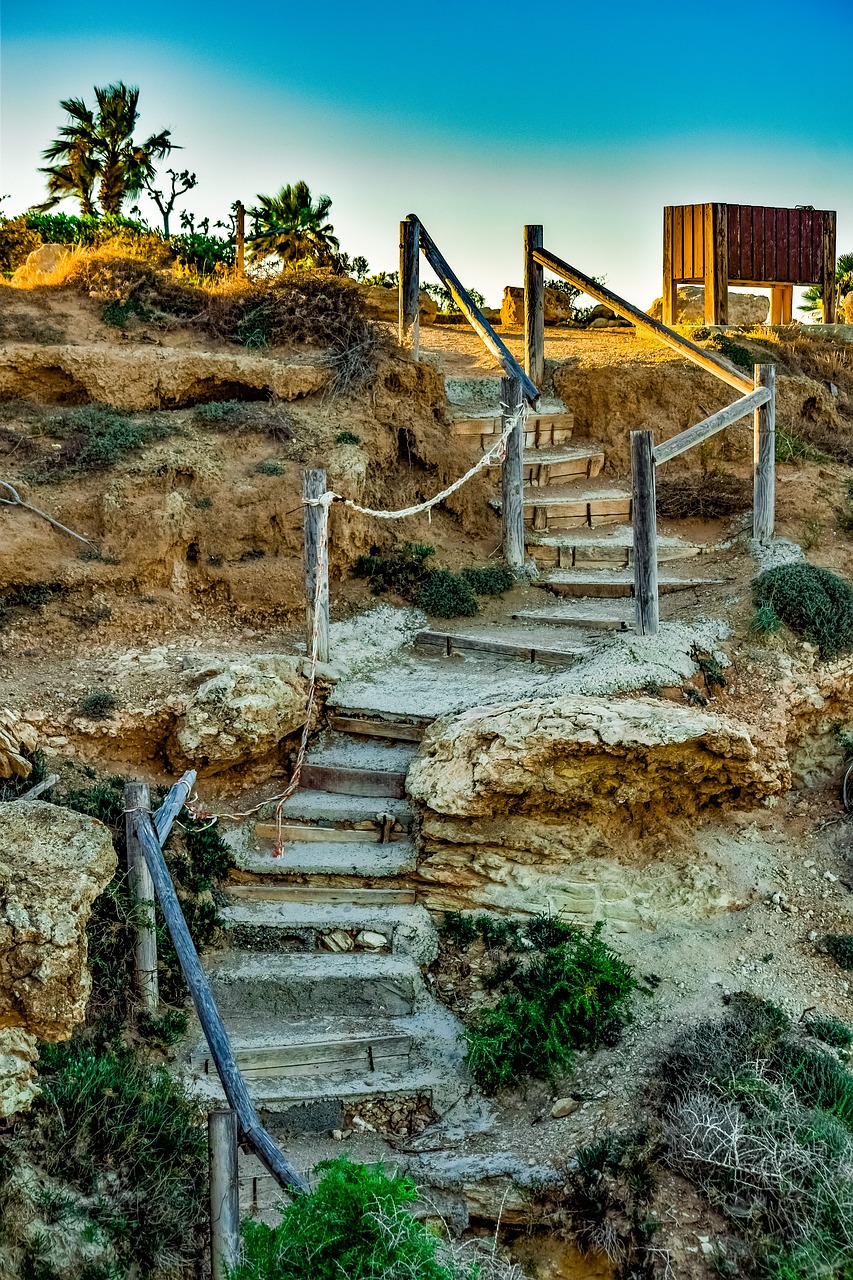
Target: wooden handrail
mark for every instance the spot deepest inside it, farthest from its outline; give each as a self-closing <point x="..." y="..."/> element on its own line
<point x="710" y="363"/>
<point x="473" y="314"/>
<point x="710" y="426"/>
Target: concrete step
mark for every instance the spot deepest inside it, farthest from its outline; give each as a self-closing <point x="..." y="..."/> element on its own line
<point x="586" y="548"/>
<point x="503" y="641"/>
<point x="573" y="505"/>
<point x="336" y="809"/>
<point x="609" y="583"/>
<point x="274" y="925"/>
<point x="276" y="984"/>
<point x="544" y="467"/>
<point x="328" y="858"/>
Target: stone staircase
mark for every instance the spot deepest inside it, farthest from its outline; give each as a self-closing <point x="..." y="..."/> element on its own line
<point x="321" y="988"/>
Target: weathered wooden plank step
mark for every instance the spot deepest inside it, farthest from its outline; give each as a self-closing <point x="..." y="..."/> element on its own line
<point x="545" y="467"/>
<point x="320" y="895"/>
<point x="306" y="833"/>
<point x="575" y="505"/>
<point x="337" y="809"/>
<point x="604" y="616"/>
<point x="368" y="783"/>
<point x="609" y="583"/>
<point x="585" y="548"/>
<point x="358" y="721"/>
<point x="315" y="1057"/>
<point x="507" y="643"/>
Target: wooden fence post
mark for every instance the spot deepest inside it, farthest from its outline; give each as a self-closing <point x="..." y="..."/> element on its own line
<point x="764" y="457"/>
<point x="224" y="1193"/>
<point x="512" y="475"/>
<point x="409" y="286"/>
<point x="314" y="486"/>
<point x="645" y="533"/>
<point x="136" y="796"/>
<point x="534" y="307"/>
<point x="240" y="235"/>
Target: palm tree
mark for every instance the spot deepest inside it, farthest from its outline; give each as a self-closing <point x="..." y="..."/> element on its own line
<point x="97" y="147"/>
<point x="292" y="227"/>
<point x="813" y="296"/>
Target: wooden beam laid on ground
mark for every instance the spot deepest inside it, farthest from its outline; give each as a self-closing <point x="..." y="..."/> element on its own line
<point x="474" y="315"/>
<point x="224" y="1193"/>
<point x="534" y="307"/>
<point x="710" y="426"/>
<point x="205" y="1006"/>
<point x="716" y="239"/>
<point x="409" y="323"/>
<point x="647" y="615"/>
<point x="512" y="473"/>
<point x="353" y="782"/>
<point x="316" y="565"/>
<point x="137" y="796"/>
<point x="298" y="833"/>
<point x="710" y="363"/>
<point x="764" y="456"/>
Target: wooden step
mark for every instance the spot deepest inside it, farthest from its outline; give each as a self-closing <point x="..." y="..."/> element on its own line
<point x="355" y="721"/>
<point x="610" y="583"/>
<point x="351" y="1054"/>
<point x="584" y="549"/>
<point x="603" y="618"/>
<point x="542" y="431"/>
<point x="311" y="895"/>
<point x="543" y="467"/>
<point x="353" y="782"/>
<point x="513" y="646"/>
<point x="573" y="507"/>
<point x="307" y="833"/>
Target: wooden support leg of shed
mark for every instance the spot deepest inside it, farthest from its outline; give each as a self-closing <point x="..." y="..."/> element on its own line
<point x="777" y="292"/>
<point x="716" y="265"/>
<point x="669" y="291"/>
<point x="787" y="304"/>
<point x="828" y="269"/>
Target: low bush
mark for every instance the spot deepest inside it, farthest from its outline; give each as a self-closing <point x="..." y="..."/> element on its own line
<point x="446" y="595"/>
<point x="269" y="467"/>
<point x="797" y="447"/>
<point x="99" y="704"/>
<point x="402" y="569"/>
<point x="492" y="580"/>
<point x="811" y="601"/>
<point x="347" y="437"/>
<point x="96" y="436"/>
<point x="765" y="621"/>
<point x="262" y="416"/>
<point x="840" y="947"/>
<point x="831" y="1031"/>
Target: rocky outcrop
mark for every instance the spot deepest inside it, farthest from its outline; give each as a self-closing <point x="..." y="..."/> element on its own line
<point x="150" y="377"/>
<point x="382" y="304"/>
<point x="16" y="736"/>
<point x="240" y="712"/>
<point x="744" y="308"/>
<point x="563" y="804"/>
<point x="53" y="864"/>
<point x="557" y="307"/>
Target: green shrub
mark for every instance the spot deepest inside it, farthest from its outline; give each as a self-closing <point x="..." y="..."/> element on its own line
<point x="401" y="569"/>
<point x="739" y="355"/>
<point x="96" y="436"/>
<point x="164" y="1030"/>
<point x="765" y="621"/>
<point x="446" y="595"/>
<point x="492" y="580"/>
<point x="569" y="992"/>
<point x="269" y="467"/>
<point x="811" y="601"/>
<point x="99" y="704"/>
<point x="840" y="947"/>
<point x="347" y="437"/>
<point x="355" y="1224"/>
<point x="831" y="1031"/>
<point x="117" y="313"/>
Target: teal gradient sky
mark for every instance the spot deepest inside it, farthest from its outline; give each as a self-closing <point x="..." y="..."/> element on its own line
<point x="478" y="117"/>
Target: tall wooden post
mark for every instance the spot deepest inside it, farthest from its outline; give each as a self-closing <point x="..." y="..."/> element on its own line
<point x="764" y="457"/>
<point x="240" y="234"/>
<point x="776" y="303"/>
<point x="828" y="268"/>
<point x="316" y="562"/>
<point x="137" y="796"/>
<point x="716" y="245"/>
<point x="646" y="609"/>
<point x="224" y="1193"/>
<point x="409" y="286"/>
<point x="512" y="475"/>
<point x="534" y="307"/>
<point x="669" y="291"/>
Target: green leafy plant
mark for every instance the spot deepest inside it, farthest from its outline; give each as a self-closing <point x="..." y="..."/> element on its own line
<point x="446" y="595"/>
<point x="811" y="601"/>
<point x="95" y="436"/>
<point x="831" y="1031"/>
<point x="269" y="467"/>
<point x="740" y="357"/>
<point x="347" y="437"/>
<point x="492" y="580"/>
<point x="710" y="667"/>
<point x="795" y="448"/>
<point x="840" y="947"/>
<point x="99" y="704"/>
<point x="117" y="313"/>
<point x="765" y="621"/>
<point x="403" y="568"/>
<point x="356" y="1223"/>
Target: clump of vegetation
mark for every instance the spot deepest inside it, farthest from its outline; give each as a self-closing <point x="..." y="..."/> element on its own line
<point x="96" y="436"/>
<point x="446" y="595"/>
<point x="796" y="447"/>
<point x="710" y="667"/>
<point x="840" y="947"/>
<point x="357" y="1222"/>
<point x="403" y="568"/>
<point x="347" y="437"/>
<point x="811" y="601"/>
<point x="269" y="467"/>
<point x="262" y="416"/>
<point x="707" y="495"/>
<point x="556" y="988"/>
<point x="738" y="354"/>
<point x="31" y="595"/>
<point x="492" y="580"/>
<point x="765" y="621"/>
<point x="99" y="704"/>
<point x="831" y="1031"/>
<point x="759" y="1116"/>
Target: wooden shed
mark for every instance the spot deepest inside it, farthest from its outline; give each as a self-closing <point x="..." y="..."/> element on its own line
<point x="745" y="244"/>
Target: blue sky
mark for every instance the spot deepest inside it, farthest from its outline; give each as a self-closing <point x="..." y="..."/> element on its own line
<point x="478" y="117"/>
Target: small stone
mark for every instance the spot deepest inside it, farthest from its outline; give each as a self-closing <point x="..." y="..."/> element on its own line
<point x="338" y="1135"/>
<point x="827" y="875"/>
<point x="564" y="1107"/>
<point x="336" y="940"/>
<point x="371" y="941"/>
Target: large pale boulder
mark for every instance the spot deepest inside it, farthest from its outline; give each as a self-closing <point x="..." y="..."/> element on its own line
<point x="16" y="736"/>
<point x="744" y="308"/>
<point x="40" y="265"/>
<point x="556" y="804"/>
<point x="53" y="864"/>
<point x="383" y="304"/>
<point x="557" y="307"/>
<point x="240" y="712"/>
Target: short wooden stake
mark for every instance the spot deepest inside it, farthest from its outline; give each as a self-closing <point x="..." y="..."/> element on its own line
<point x="314" y="486"/>
<point x="534" y="307"/>
<point x="645" y="533"/>
<point x="409" y="286"/>
<point x="240" y="236"/>
<point x="137" y="796"/>
<point x="224" y="1193"/>
<point x="764" y="457"/>
<point x="512" y="475"/>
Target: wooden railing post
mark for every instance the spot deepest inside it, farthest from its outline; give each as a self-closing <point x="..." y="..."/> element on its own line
<point x="137" y="796"/>
<point x="764" y="457"/>
<point x="645" y="533"/>
<point x="224" y="1193"/>
<point x="240" y="236"/>
<point x="512" y="475"/>
<point x="316" y="561"/>
<point x="534" y="307"/>
<point x="409" y="286"/>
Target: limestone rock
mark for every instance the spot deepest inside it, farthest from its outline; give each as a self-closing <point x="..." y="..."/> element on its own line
<point x="744" y="308"/>
<point x="40" y="265"/>
<point x="53" y="864"/>
<point x="383" y="304"/>
<point x="564" y="1107"/>
<point x="16" y="736"/>
<point x="847" y="309"/>
<point x="240" y="713"/>
<point x="557" y="307"/>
